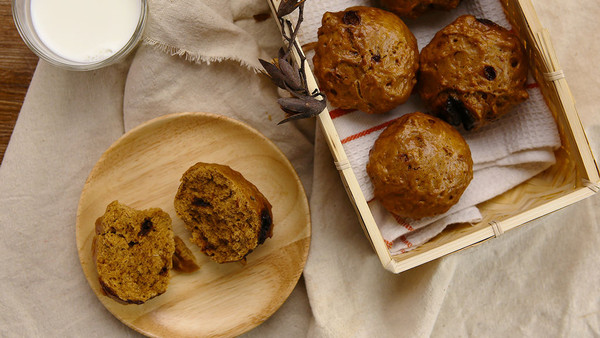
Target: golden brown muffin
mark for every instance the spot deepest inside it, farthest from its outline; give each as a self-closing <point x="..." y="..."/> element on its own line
<point x="366" y="59"/>
<point x="419" y="166"/>
<point x="227" y="216"/>
<point x="472" y="72"/>
<point x="133" y="252"/>
<point x="414" y="8"/>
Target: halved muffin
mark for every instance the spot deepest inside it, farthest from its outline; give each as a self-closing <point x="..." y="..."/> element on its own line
<point x="227" y="215"/>
<point x="133" y="252"/>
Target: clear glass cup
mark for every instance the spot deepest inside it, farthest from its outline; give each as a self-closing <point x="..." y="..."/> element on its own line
<point x="21" y="10"/>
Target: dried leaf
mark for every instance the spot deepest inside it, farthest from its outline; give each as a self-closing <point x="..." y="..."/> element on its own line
<point x="302" y="107"/>
<point x="292" y="79"/>
<point x="295" y="117"/>
<point x="287" y="6"/>
<point x="274" y="73"/>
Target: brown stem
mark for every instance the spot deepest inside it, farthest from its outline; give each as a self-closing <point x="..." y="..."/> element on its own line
<point x="294" y="43"/>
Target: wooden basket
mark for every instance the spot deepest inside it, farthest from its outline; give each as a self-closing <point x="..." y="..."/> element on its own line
<point x="574" y="177"/>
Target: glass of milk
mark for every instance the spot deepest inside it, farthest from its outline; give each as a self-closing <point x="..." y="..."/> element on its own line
<point x="80" y="34"/>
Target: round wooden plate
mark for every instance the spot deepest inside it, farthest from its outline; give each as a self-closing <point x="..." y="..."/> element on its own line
<point x="142" y="169"/>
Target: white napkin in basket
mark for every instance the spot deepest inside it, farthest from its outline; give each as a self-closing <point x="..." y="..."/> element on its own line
<point x="506" y="153"/>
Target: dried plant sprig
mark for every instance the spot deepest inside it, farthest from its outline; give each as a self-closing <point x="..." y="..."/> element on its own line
<point x="285" y="74"/>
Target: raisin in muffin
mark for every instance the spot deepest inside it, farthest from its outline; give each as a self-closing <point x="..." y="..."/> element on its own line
<point x="472" y="72"/>
<point x="419" y="166"/>
<point x="227" y="215"/>
<point x="414" y="8"/>
<point x="133" y="252"/>
<point x="366" y="58"/>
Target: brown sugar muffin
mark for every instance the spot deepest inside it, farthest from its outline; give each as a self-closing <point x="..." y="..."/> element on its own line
<point x="414" y="8"/>
<point x="227" y="216"/>
<point x="472" y="72"/>
<point x="419" y="166"/>
<point x="133" y="252"/>
<point x="366" y="58"/>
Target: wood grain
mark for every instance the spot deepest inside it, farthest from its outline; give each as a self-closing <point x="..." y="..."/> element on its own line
<point x="142" y="169"/>
<point x="17" y="64"/>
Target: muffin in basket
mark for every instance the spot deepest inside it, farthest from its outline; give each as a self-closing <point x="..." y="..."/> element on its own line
<point x="414" y="8"/>
<point x="365" y="58"/>
<point x="472" y="72"/>
<point x="419" y="166"/>
<point x="133" y="252"/>
<point x="227" y="215"/>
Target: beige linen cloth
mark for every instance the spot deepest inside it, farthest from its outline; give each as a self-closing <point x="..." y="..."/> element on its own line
<point x="538" y="280"/>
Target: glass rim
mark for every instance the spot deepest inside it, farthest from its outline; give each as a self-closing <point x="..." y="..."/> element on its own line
<point x="65" y="63"/>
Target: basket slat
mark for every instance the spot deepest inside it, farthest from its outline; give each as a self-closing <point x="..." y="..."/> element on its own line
<point x="524" y="19"/>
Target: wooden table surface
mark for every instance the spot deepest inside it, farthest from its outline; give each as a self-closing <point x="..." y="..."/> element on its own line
<point x="17" y="64"/>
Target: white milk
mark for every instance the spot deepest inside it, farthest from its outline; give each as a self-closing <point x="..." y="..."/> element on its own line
<point x="85" y="30"/>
